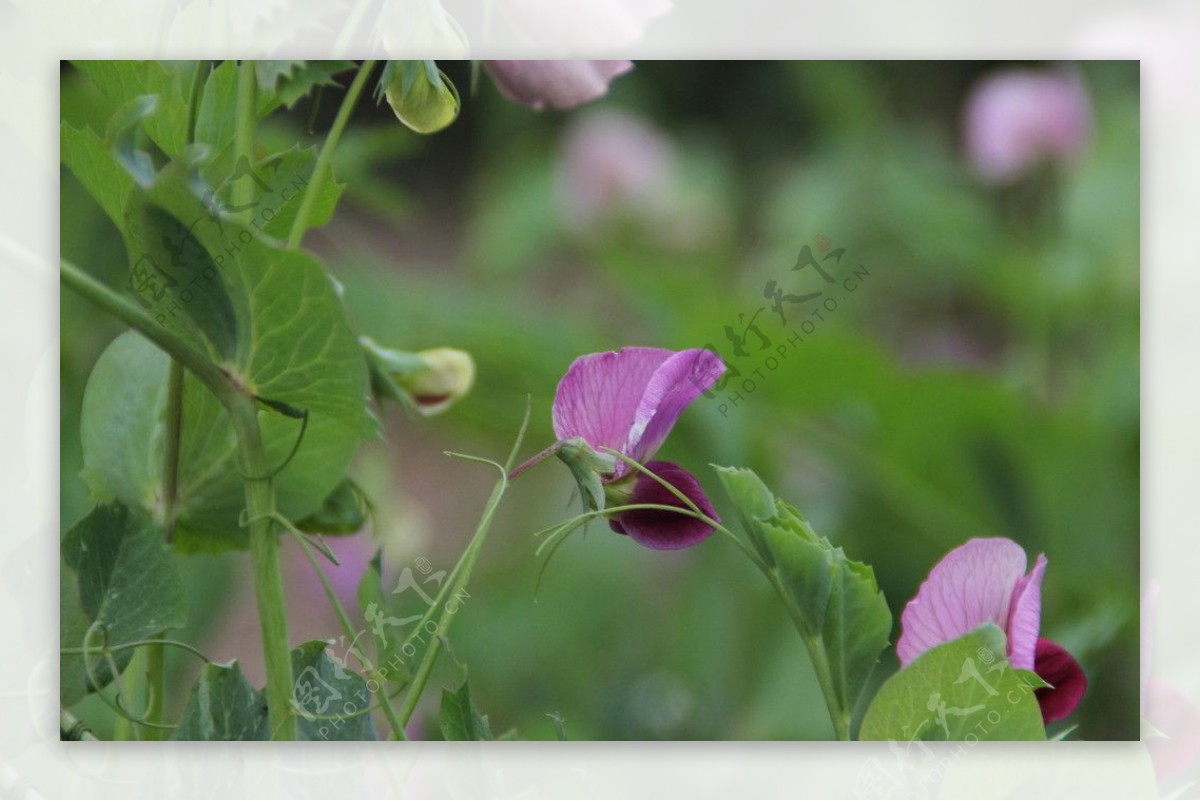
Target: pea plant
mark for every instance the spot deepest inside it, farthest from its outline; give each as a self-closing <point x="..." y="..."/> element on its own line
<point x="228" y="414"/>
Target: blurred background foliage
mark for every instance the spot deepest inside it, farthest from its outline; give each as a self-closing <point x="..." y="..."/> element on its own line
<point x="980" y="380"/>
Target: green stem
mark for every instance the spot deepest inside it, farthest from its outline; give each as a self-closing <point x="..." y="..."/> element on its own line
<point x="461" y="575"/>
<point x="268" y="578"/>
<point x="300" y="224"/>
<point x="156" y="654"/>
<point x="820" y="660"/>
<point x="156" y="684"/>
<point x="72" y="728"/>
<point x="135" y="316"/>
<point x="112" y="649"/>
<point x="243" y="136"/>
<point x="384" y="701"/>
<point x="199" y="77"/>
<point x="260" y="493"/>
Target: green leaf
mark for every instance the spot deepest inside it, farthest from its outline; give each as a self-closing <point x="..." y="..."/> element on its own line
<point x="86" y="155"/>
<point x="294" y="343"/>
<point x="178" y="281"/>
<point x="284" y="83"/>
<point x="122" y="81"/>
<point x="271" y="319"/>
<point x="963" y="689"/>
<point x="223" y="706"/>
<point x="857" y="625"/>
<point x="268" y="73"/>
<point x="344" y="511"/>
<point x="73" y="683"/>
<point x="122" y="431"/>
<point x="127" y="583"/>
<point x="754" y="503"/>
<point x="805" y="564"/>
<point x="278" y="183"/>
<point x="838" y="599"/>
<point x="460" y="718"/>
<point x="216" y="116"/>
<point x="331" y="700"/>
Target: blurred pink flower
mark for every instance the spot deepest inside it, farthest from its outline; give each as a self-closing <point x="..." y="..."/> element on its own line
<point x="1015" y="119"/>
<point x="559" y="84"/>
<point x="612" y="161"/>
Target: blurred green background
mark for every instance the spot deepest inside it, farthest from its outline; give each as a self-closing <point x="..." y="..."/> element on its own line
<point x="980" y="380"/>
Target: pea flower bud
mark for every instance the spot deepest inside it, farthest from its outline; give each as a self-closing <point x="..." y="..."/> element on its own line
<point x="428" y="382"/>
<point x="421" y="95"/>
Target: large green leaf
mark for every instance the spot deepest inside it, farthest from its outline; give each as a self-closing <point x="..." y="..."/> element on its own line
<point x="128" y="586"/>
<point x="122" y="429"/>
<point x="838" y="599"/>
<point x="961" y="690"/>
<point x="271" y="319"/>
<point x="331" y="700"/>
<point x="293" y="342"/>
<point x="169" y="81"/>
<point x="460" y="718"/>
<point x="223" y="706"/>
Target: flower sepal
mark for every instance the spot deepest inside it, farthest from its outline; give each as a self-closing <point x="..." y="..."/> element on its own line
<point x="587" y="466"/>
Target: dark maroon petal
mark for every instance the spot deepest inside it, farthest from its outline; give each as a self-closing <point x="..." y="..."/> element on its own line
<point x="661" y="529"/>
<point x="1058" y="668"/>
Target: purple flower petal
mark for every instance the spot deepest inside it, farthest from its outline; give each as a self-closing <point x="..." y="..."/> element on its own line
<point x="629" y="400"/>
<point x="1058" y="668"/>
<point x="659" y="529"/>
<point x="560" y="84"/>
<point x="1025" y="617"/>
<point x="599" y="396"/>
<point x="676" y="383"/>
<point x="972" y="585"/>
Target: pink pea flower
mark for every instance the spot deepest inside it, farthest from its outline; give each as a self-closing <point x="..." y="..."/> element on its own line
<point x="629" y="400"/>
<point x="559" y="84"/>
<point x="984" y="581"/>
<point x="1018" y="118"/>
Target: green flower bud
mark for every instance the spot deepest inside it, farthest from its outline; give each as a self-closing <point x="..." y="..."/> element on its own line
<point x="428" y="382"/>
<point x="421" y="95"/>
